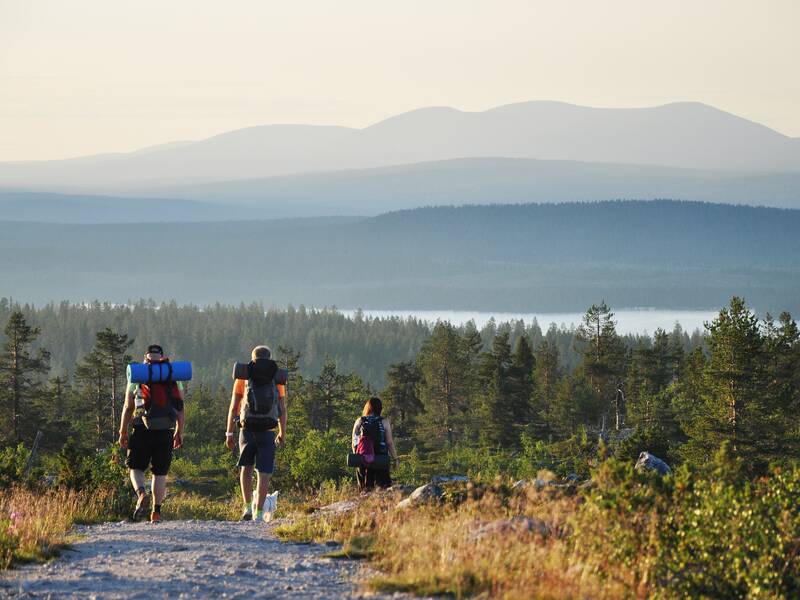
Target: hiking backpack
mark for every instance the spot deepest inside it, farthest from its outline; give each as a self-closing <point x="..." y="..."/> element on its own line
<point x="372" y="438"/>
<point x="260" y="411"/>
<point x="156" y="404"/>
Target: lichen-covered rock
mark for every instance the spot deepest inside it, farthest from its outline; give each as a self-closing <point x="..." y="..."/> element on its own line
<point x="449" y="479"/>
<point x="650" y="462"/>
<point x="342" y="506"/>
<point x="519" y="524"/>
<point x="424" y="493"/>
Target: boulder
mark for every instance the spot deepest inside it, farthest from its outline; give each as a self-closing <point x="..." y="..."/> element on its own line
<point x="650" y="462"/>
<point x="519" y="524"/>
<point x="342" y="506"/>
<point x="403" y="490"/>
<point x="449" y="479"/>
<point x="424" y="493"/>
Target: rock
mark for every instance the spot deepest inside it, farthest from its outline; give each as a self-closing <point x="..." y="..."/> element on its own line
<point x="424" y="493"/>
<point x="403" y="490"/>
<point x="342" y="506"/>
<point x="649" y="462"/>
<point x="449" y="478"/>
<point x="518" y="524"/>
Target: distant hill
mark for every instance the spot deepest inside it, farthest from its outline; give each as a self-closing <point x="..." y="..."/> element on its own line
<point x="680" y="135"/>
<point x="86" y="208"/>
<point x="381" y="189"/>
<point x="487" y="181"/>
<point x="555" y="257"/>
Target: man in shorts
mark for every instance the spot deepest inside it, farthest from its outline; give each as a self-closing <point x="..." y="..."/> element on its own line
<point x="256" y="442"/>
<point x="155" y="411"/>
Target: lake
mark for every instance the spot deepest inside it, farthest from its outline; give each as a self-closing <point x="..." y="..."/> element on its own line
<point x="640" y="320"/>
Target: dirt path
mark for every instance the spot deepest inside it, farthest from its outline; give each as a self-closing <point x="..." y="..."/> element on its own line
<point x="185" y="559"/>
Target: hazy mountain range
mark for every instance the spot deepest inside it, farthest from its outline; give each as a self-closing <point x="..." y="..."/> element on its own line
<point x="533" y="151"/>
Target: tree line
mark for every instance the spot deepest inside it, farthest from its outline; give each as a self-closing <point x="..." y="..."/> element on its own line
<point x="680" y="396"/>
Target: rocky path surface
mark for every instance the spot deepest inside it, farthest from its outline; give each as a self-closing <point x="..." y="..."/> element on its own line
<point x="185" y="559"/>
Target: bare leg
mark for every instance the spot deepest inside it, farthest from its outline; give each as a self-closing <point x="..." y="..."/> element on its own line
<point x="246" y="482"/>
<point x="137" y="479"/>
<point x="159" y="488"/>
<point x="263" y="489"/>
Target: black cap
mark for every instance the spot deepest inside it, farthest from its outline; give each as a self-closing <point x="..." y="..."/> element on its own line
<point x="155" y="349"/>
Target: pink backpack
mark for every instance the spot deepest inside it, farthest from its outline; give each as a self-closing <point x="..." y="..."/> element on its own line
<point x="366" y="448"/>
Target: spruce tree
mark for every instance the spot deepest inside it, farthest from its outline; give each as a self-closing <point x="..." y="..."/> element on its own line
<point x="521" y="373"/>
<point x="496" y="390"/>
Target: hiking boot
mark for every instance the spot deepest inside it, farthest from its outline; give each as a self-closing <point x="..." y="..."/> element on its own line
<point x="155" y="517"/>
<point x="142" y="507"/>
<point x="246" y="516"/>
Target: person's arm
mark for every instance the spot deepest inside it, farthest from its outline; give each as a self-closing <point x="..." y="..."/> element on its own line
<point x="177" y="439"/>
<point x="127" y="415"/>
<point x="281" y="420"/>
<point x="180" y="417"/>
<point x="230" y="436"/>
<point x="356" y="434"/>
<point x="387" y="426"/>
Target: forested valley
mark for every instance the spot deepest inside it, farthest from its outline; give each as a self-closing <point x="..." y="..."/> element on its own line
<point x="563" y="414"/>
<point x="508" y="387"/>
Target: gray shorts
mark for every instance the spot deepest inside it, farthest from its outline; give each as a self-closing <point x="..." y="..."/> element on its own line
<point x="257" y="447"/>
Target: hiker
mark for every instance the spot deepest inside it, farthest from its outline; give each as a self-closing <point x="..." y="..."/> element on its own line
<point x="156" y="412"/>
<point x="258" y="417"/>
<point x="372" y="436"/>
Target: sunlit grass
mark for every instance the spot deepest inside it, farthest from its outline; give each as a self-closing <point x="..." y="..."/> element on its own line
<point x="457" y="548"/>
<point x="34" y="525"/>
<point x="187" y="505"/>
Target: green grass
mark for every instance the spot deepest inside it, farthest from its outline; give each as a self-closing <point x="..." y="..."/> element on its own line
<point x="356" y="548"/>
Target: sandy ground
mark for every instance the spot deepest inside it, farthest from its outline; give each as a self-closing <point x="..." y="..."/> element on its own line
<point x="185" y="559"/>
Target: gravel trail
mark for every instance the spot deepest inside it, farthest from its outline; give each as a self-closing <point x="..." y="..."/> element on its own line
<point x="185" y="559"/>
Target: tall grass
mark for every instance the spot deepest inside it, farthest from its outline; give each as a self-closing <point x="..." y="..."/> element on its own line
<point x="34" y="524"/>
<point x="470" y="545"/>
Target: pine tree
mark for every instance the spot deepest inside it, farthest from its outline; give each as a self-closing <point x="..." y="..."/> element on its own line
<point x="603" y="355"/>
<point x="111" y="348"/>
<point x="328" y="399"/>
<point x="400" y="395"/>
<point x="20" y="372"/>
<point x="725" y="398"/>
<point x="92" y="375"/>
<point x="446" y="364"/>
<point x="546" y="377"/>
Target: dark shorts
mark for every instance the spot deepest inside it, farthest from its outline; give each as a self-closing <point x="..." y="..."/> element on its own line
<point x="257" y="447"/>
<point x="150" y="448"/>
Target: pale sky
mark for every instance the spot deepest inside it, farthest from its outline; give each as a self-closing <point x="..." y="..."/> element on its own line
<point x="82" y="77"/>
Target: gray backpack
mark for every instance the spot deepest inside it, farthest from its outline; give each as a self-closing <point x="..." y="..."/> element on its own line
<point x="260" y="409"/>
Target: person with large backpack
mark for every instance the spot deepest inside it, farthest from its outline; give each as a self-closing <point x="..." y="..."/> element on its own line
<point x="155" y="410"/>
<point x="372" y="440"/>
<point x="258" y="409"/>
